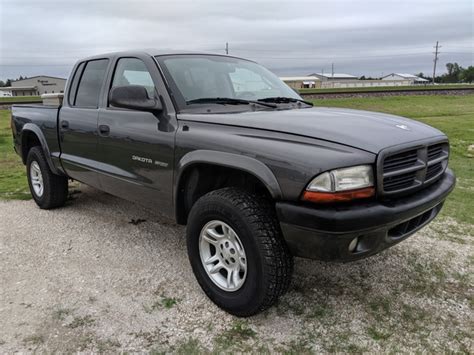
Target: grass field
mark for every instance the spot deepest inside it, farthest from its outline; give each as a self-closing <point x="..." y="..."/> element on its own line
<point x="13" y="183"/>
<point x="387" y="88"/>
<point x="18" y="99"/>
<point x="453" y="115"/>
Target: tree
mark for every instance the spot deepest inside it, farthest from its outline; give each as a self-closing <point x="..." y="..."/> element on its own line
<point x="467" y="75"/>
<point x="421" y="75"/>
<point x="454" y="73"/>
<point x="9" y="82"/>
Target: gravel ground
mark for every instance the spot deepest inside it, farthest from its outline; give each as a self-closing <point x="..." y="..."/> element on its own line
<point x="105" y="275"/>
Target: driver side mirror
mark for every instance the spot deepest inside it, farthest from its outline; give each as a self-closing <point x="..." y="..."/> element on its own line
<point x="134" y="97"/>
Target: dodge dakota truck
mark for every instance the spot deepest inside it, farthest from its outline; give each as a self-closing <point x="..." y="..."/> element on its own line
<point x="256" y="173"/>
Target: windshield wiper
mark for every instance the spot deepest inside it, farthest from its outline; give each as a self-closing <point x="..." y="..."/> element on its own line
<point x="228" y="101"/>
<point x="284" y="100"/>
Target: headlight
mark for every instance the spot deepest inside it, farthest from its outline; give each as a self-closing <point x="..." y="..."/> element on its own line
<point x="341" y="185"/>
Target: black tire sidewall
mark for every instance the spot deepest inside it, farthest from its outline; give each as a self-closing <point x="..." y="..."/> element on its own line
<point x="251" y="293"/>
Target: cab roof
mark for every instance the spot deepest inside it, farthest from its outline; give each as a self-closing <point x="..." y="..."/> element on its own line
<point x="152" y="53"/>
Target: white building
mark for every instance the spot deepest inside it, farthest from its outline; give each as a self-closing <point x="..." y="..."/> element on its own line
<point x="5" y="92"/>
<point x="37" y="85"/>
<point x="300" y="82"/>
<point x="413" y="79"/>
<point x="334" y="76"/>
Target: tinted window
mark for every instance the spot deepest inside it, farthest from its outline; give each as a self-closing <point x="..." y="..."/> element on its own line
<point x="244" y="80"/>
<point x="90" y="83"/>
<point x="132" y="71"/>
<point x="75" y="81"/>
<point x="193" y="77"/>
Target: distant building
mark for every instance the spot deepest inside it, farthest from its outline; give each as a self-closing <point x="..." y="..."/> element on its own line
<point x="34" y="86"/>
<point x="413" y="79"/>
<point x="342" y="81"/>
<point x="5" y="92"/>
<point x="334" y="77"/>
<point x="301" y="82"/>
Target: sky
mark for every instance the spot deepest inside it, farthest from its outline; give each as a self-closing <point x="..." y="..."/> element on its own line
<point x="291" y="37"/>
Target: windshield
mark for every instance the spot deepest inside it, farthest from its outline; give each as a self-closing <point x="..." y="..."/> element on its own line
<point x="194" y="77"/>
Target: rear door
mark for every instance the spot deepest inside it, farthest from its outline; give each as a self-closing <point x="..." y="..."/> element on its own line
<point x="136" y="148"/>
<point x="78" y="119"/>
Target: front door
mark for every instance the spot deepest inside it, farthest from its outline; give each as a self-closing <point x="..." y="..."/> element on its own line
<point x="136" y="148"/>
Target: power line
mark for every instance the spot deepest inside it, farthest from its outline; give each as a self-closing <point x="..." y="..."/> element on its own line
<point x="436" y="52"/>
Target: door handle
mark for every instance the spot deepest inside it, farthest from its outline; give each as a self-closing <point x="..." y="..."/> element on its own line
<point x="65" y="124"/>
<point x="104" y="129"/>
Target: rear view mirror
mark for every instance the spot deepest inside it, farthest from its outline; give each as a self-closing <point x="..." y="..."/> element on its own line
<point x="134" y="97"/>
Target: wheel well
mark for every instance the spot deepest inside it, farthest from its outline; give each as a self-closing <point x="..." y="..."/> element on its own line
<point x="200" y="179"/>
<point x="29" y="140"/>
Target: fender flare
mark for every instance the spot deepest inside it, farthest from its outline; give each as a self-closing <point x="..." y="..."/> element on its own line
<point x="30" y="127"/>
<point x="230" y="160"/>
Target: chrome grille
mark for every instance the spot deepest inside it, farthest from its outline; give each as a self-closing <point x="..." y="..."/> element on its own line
<point x="411" y="168"/>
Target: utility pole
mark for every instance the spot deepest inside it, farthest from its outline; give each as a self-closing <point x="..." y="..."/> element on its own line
<point x="332" y="70"/>
<point x="436" y="52"/>
<point x="227" y="48"/>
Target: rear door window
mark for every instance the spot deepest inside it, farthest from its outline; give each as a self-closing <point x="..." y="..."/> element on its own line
<point x="90" y="84"/>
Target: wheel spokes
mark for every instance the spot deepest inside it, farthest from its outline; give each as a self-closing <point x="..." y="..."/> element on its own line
<point x="36" y="179"/>
<point x="216" y="268"/>
<point x="220" y="248"/>
<point x="212" y="259"/>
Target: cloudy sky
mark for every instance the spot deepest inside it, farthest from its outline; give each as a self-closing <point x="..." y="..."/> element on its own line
<point x="290" y="37"/>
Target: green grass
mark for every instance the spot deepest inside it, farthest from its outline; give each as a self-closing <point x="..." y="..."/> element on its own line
<point x="13" y="184"/>
<point x="386" y="88"/>
<point x="454" y="115"/>
<point x="19" y="99"/>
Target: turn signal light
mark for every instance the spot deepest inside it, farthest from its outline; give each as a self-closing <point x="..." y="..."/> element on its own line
<point x="326" y="197"/>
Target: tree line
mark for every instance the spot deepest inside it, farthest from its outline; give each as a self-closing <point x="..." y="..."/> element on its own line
<point x="455" y="74"/>
<point x="8" y="82"/>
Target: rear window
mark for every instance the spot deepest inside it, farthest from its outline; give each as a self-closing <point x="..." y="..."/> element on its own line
<point x="75" y="81"/>
<point x="90" y="83"/>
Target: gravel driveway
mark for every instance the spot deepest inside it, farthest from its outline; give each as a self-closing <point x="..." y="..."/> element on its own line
<point x="105" y="275"/>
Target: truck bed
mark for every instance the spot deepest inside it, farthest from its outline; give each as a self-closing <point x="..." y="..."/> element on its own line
<point x="32" y="116"/>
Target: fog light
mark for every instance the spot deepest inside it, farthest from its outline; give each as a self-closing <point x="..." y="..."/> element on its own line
<point x="353" y="244"/>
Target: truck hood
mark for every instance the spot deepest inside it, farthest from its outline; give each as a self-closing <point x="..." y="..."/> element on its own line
<point x="370" y="131"/>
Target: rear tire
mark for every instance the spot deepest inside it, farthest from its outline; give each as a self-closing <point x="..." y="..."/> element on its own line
<point x="250" y="223"/>
<point x="48" y="190"/>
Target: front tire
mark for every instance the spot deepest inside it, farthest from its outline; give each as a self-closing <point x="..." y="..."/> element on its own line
<point x="237" y="252"/>
<point x="48" y="190"/>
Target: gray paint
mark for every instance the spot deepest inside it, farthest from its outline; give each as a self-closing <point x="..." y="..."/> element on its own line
<point x="285" y="149"/>
<point x="370" y="131"/>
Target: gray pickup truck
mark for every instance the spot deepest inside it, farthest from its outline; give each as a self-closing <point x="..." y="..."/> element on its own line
<point x="256" y="173"/>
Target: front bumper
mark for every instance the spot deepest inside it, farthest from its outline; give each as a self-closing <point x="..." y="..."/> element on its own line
<point x="325" y="232"/>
